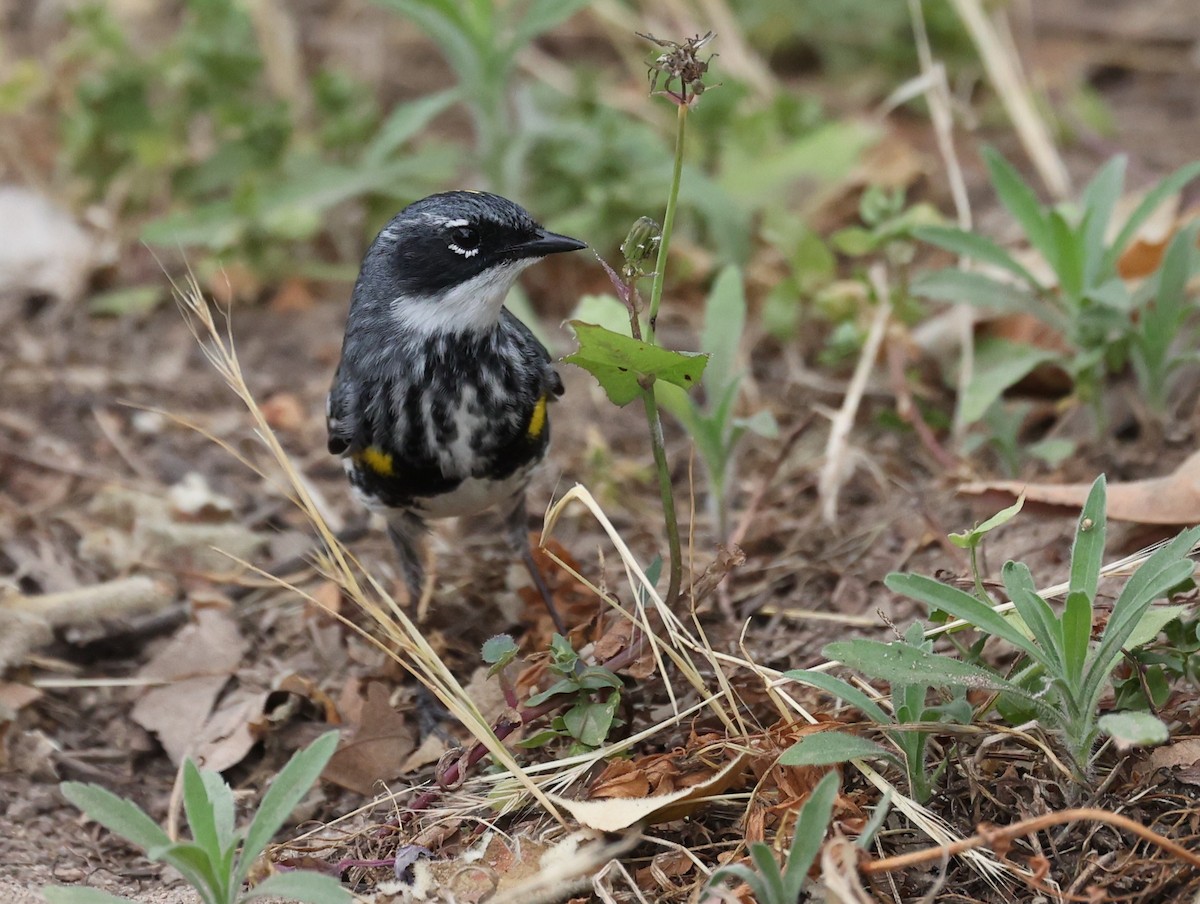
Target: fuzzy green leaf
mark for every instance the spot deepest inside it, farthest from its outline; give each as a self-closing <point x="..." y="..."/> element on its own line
<point x="1134" y="729"/>
<point x="119" y="816"/>
<point x="962" y="605"/>
<point x="826" y="748"/>
<point x="287" y="790"/>
<point x="498" y="651"/>
<point x="302" y="886"/>
<point x="842" y="690"/>
<point x="1167" y="187"/>
<point x="811" y="824"/>
<point x="1021" y="202"/>
<point x="1087" y="551"/>
<point x="972" y="537"/>
<point x="976" y="247"/>
<point x="900" y="664"/>
<point x="1034" y="611"/>
<point x="619" y="362"/>
<point x="999" y="365"/>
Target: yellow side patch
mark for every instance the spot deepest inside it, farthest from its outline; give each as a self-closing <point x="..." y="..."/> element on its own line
<point x="537" y="420"/>
<point x="377" y="460"/>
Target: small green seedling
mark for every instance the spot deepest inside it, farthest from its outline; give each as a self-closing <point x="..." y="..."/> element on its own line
<point x="1087" y="302"/>
<point x="1066" y="672"/>
<point x="910" y="708"/>
<point x="589" y="721"/>
<point x="972" y="540"/>
<point x="219" y="858"/>
<point x="770" y="884"/>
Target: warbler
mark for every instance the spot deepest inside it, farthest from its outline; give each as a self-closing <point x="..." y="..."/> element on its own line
<point x="439" y="404"/>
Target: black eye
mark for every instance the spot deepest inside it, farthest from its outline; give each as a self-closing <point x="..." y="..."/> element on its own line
<point x="464" y="240"/>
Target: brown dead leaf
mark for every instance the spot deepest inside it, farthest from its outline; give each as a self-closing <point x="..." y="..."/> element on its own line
<point x="231" y="731"/>
<point x="376" y="750"/>
<point x="15" y="697"/>
<point x="1181" y="758"/>
<point x="617" y="814"/>
<point x="195" y="665"/>
<point x="302" y="686"/>
<point x="294" y="295"/>
<point x="1172" y="499"/>
<point x="622" y="779"/>
<point x="284" y="411"/>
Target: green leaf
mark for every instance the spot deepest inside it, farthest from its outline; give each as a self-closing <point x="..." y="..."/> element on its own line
<point x="1162" y="572"/>
<point x="303" y="886"/>
<point x="201" y="812"/>
<point x="498" y="651"/>
<point x="540" y="17"/>
<point x="742" y="873"/>
<point x="119" y="816"/>
<point x="541" y="738"/>
<point x="290" y="786"/>
<point x="619" y="362"/>
<point x="201" y="872"/>
<point x="1135" y="729"/>
<point x="1099" y="200"/>
<point x="999" y="365"/>
<point x="768" y="871"/>
<point x="972" y="537"/>
<point x="900" y="664"/>
<point x="826" y="748"/>
<point x="1151" y="624"/>
<point x="1076" y="636"/>
<point x="1087" y="551"/>
<point x="1171" y="185"/>
<point x="1021" y="202"/>
<point x="724" y="322"/>
<point x="407" y="121"/>
<point x="128" y="300"/>
<point x="976" y="247"/>
<point x="562" y="686"/>
<point x="843" y="691"/>
<point x="1034" y="611"/>
<point x="811" y="824"/>
<point x="79" y="894"/>
<point x="590" y="722"/>
<point x="962" y="605"/>
<point x="977" y="290"/>
<point x="1069" y="254"/>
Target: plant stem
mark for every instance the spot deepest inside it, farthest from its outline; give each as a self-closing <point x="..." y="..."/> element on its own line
<point x="649" y="401"/>
<point x="668" y="499"/>
<point x="660" y="265"/>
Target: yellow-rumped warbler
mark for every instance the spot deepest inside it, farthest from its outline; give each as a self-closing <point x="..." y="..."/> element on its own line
<point x="438" y="407"/>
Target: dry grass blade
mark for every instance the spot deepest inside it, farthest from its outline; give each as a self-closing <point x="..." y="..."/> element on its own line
<point x="413" y="651"/>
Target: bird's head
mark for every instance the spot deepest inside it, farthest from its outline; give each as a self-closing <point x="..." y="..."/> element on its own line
<point x="446" y="262"/>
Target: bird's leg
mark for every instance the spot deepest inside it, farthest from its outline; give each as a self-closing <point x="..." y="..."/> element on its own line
<point x="519" y="538"/>
<point x="406" y="530"/>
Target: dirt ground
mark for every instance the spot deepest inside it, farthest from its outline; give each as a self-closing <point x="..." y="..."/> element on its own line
<point x="82" y="436"/>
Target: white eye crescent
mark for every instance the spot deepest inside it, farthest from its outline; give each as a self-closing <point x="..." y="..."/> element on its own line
<point x="464" y="240"/>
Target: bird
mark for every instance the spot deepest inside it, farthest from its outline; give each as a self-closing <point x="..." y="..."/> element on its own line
<point x="439" y="404"/>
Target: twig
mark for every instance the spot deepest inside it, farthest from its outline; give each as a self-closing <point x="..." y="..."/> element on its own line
<point x="1004" y="70"/>
<point x="831" y="479"/>
<point x="941" y="114"/>
<point x="994" y="836"/>
<point x="907" y="408"/>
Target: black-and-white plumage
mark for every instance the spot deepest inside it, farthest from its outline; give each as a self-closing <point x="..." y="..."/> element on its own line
<point x="439" y="404"/>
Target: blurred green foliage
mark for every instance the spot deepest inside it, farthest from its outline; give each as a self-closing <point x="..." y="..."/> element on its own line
<point x="188" y="143"/>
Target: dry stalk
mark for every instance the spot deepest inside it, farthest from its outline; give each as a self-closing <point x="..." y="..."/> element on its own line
<point x="834" y="471"/>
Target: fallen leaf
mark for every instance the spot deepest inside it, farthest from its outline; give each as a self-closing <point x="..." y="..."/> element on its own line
<point x="1181" y="758"/>
<point x="195" y="665"/>
<point x="293" y="295"/>
<point x="1171" y="499"/>
<point x="284" y="411"/>
<point x="231" y="731"/>
<point x="615" y="815"/>
<point x="14" y="697"/>
<point x="377" y="748"/>
<point x="48" y="253"/>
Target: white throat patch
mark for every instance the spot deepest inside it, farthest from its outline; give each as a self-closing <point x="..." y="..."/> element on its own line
<point x="472" y="306"/>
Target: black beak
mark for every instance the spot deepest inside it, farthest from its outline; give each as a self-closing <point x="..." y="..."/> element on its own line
<point x="544" y="243"/>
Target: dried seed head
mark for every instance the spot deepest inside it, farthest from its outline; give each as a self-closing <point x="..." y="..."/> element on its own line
<point x="682" y="67"/>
